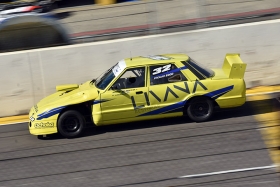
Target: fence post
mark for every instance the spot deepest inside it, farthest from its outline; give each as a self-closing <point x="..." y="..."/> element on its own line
<point x="152" y="18"/>
<point x="202" y="14"/>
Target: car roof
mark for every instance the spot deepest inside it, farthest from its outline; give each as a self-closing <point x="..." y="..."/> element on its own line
<point x="155" y="59"/>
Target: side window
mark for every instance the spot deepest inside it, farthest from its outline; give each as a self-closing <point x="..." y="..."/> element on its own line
<point x="167" y="73"/>
<point x="131" y="78"/>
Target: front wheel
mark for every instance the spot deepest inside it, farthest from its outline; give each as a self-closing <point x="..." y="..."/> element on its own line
<point x="200" y="109"/>
<point x="71" y="124"/>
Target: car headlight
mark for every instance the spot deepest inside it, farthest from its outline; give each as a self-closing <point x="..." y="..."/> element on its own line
<point x="32" y="118"/>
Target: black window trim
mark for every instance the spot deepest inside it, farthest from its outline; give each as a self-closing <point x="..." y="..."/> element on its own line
<point x="128" y="68"/>
<point x="150" y="76"/>
<point x="197" y="73"/>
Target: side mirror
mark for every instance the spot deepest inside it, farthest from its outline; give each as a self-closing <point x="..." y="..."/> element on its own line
<point x="115" y="87"/>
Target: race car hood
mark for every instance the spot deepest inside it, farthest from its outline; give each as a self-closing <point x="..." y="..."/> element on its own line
<point x="67" y="95"/>
<point x="67" y="87"/>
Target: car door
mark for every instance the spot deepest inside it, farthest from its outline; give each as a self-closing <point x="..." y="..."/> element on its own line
<point x="126" y="97"/>
<point x="168" y="88"/>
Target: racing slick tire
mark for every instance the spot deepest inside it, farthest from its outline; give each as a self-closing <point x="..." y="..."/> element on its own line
<point x="200" y="109"/>
<point x="71" y="124"/>
<point x="40" y="137"/>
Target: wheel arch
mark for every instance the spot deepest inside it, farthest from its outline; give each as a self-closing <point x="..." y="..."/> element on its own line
<point x="202" y="96"/>
<point x="199" y="115"/>
<point x="84" y="108"/>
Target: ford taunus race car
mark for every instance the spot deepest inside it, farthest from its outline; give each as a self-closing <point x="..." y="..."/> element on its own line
<point x="141" y="88"/>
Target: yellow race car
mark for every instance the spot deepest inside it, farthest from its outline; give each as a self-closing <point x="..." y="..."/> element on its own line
<point x="141" y="88"/>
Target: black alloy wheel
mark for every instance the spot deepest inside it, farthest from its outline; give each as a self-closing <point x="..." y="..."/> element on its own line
<point x="200" y="109"/>
<point x="71" y="124"/>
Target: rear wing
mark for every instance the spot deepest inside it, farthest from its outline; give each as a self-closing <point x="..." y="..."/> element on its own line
<point x="234" y="67"/>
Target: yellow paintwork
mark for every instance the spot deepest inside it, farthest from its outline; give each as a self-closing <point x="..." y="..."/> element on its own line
<point x="234" y="67"/>
<point x="59" y="99"/>
<point x="13" y="119"/>
<point x="66" y="87"/>
<point x="270" y="127"/>
<point x="226" y="87"/>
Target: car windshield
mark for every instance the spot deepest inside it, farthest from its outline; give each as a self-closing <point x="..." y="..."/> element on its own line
<point x="105" y="79"/>
<point x="202" y="69"/>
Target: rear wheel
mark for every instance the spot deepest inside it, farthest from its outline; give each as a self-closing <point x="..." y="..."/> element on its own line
<point x="200" y="109"/>
<point x="40" y="137"/>
<point x="71" y="124"/>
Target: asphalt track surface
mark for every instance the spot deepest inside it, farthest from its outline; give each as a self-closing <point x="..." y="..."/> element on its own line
<point x="145" y="154"/>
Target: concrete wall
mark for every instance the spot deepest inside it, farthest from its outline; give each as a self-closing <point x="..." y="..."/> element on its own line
<point x="28" y="76"/>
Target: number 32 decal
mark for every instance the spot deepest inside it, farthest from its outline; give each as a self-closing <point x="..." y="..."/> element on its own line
<point x="161" y="69"/>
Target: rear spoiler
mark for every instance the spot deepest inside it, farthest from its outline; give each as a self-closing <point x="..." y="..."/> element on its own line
<point x="234" y="67"/>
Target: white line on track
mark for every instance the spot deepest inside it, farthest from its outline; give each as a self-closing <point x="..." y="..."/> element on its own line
<point x="262" y="182"/>
<point x="228" y="171"/>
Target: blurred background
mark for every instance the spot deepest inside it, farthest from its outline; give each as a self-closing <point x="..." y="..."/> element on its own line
<point x="44" y="43"/>
<point x="95" y="20"/>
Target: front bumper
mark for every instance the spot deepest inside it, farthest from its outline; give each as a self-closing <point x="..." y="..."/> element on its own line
<point x="41" y="127"/>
